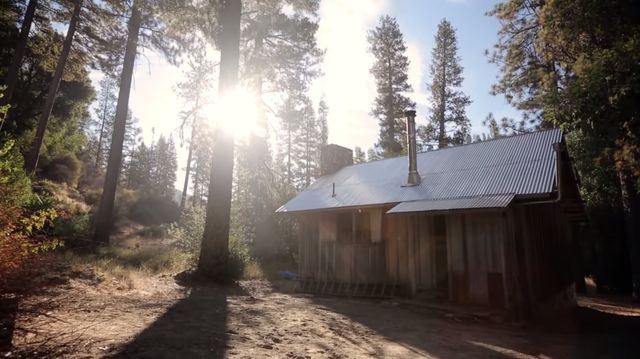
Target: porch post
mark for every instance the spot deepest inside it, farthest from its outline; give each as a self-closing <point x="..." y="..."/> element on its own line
<point x="411" y="252"/>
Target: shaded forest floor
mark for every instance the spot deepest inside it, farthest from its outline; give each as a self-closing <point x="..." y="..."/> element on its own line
<point x="79" y="312"/>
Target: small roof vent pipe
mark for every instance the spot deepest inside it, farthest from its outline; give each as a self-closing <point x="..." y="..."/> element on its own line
<point x="414" y="177"/>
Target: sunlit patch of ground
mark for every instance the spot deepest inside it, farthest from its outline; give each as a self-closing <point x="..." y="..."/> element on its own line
<point x="124" y="302"/>
<point x="93" y="316"/>
<point x="614" y="305"/>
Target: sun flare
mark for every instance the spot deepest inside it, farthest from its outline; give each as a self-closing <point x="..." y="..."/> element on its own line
<point x="236" y="113"/>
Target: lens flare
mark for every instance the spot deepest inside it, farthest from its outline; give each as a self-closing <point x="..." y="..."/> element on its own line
<point x="236" y="113"/>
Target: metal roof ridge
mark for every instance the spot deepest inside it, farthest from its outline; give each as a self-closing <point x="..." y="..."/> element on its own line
<point x="459" y="146"/>
<point x="461" y="197"/>
<point x="495" y="139"/>
<point x="441" y="172"/>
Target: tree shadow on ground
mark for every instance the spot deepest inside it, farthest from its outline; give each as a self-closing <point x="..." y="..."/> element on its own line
<point x="585" y="333"/>
<point x="35" y="282"/>
<point x="606" y="335"/>
<point x="194" y="327"/>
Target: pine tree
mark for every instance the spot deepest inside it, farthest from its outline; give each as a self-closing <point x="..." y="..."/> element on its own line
<point x="64" y="138"/>
<point x="166" y="165"/>
<point x="31" y="161"/>
<point x="150" y="30"/>
<point x="373" y="155"/>
<point x="390" y="70"/>
<point x="153" y="169"/>
<point x="193" y="90"/>
<point x="141" y="167"/>
<point x="289" y="156"/>
<point x="358" y="155"/>
<point x="214" y="252"/>
<point x="448" y="121"/>
<point x="311" y="139"/>
<point x="574" y="64"/>
<point x="506" y="127"/>
<point x="323" y="118"/>
<point x="100" y="127"/>
<point x="202" y="157"/>
<point x="12" y="74"/>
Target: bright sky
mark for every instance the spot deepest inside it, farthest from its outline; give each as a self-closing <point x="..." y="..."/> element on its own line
<point x="347" y="84"/>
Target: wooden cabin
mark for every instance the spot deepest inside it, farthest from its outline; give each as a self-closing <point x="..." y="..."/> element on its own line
<point x="487" y="224"/>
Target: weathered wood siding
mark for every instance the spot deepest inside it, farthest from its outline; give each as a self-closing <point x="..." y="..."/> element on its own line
<point x="457" y="258"/>
<point x="327" y="253"/>
<point x="484" y="242"/>
<point x="544" y="243"/>
<point x="394" y="230"/>
<point x="504" y="259"/>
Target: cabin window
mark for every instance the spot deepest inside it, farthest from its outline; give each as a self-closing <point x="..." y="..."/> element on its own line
<point x="327" y="227"/>
<point x="345" y="226"/>
<point x="376" y="225"/>
<point x="363" y="226"/>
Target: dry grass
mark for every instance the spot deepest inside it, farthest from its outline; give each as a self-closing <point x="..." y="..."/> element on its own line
<point x="129" y="267"/>
<point x="253" y="270"/>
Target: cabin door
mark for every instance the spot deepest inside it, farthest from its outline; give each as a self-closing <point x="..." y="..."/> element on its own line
<point x="441" y="264"/>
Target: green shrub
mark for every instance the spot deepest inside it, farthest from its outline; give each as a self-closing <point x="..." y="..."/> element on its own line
<point x="92" y="196"/>
<point x="153" y="210"/>
<point x="154" y="231"/>
<point x="188" y="231"/>
<point x="21" y="216"/>
<point x="73" y="227"/>
<point x="12" y="177"/>
<point x="63" y="169"/>
<point x="188" y="238"/>
<point x="125" y="198"/>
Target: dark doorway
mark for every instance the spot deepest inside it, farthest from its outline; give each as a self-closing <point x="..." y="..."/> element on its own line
<point x="442" y="266"/>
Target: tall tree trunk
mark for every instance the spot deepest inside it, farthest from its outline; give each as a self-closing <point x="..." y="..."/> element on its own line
<point x="195" y="200"/>
<point x="104" y="217"/>
<point x="289" y="150"/>
<point x="183" y="198"/>
<point x="214" y="252"/>
<point x="11" y="78"/>
<point x="391" y="121"/>
<point x="307" y="150"/>
<point x="442" y="132"/>
<point x="631" y="207"/>
<point x="104" y="120"/>
<point x="32" y="158"/>
<point x="100" y="139"/>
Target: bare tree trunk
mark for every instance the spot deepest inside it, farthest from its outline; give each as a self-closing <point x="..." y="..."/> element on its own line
<point x="183" y="198"/>
<point x="104" y="217"/>
<point x="442" y="131"/>
<point x="307" y="177"/>
<point x="195" y="200"/>
<point x="11" y="77"/>
<point x="32" y="158"/>
<point x="100" y="137"/>
<point x="289" y="150"/>
<point x="631" y="207"/>
<point x="214" y="252"/>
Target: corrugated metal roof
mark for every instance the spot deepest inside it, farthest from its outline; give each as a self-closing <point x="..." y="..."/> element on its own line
<point x="480" y="202"/>
<point x="520" y="165"/>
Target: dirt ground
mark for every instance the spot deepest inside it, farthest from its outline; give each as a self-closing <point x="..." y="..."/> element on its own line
<point x="80" y="315"/>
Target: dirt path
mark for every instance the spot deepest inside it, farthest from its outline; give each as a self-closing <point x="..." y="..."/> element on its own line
<point x="89" y="317"/>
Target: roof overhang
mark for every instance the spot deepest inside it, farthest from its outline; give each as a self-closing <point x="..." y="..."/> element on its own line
<point x="499" y="201"/>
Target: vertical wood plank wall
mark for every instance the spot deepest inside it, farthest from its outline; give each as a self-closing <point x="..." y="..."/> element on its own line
<point x="406" y="253"/>
<point x="546" y="251"/>
<point x="504" y="259"/>
<point x="325" y="254"/>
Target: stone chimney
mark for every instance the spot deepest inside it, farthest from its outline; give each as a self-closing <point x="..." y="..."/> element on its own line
<point x="414" y="177"/>
<point x="333" y="158"/>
